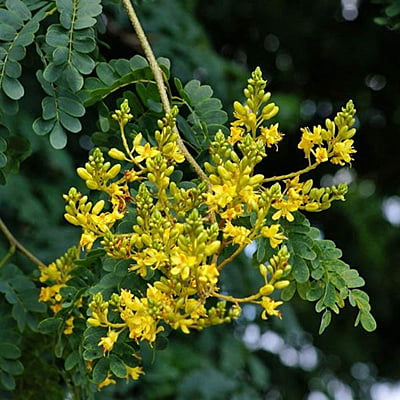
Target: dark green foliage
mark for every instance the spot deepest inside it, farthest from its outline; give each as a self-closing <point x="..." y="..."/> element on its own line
<point x="313" y="37"/>
<point x="205" y="117"/>
<point x="19" y="304"/>
<point x="390" y="14"/>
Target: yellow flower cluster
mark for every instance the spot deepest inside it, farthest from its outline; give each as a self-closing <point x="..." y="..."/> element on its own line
<point x="181" y="234"/>
<point x="55" y="276"/>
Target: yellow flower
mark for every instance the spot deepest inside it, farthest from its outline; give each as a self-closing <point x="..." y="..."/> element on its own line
<point x="107" y="342"/>
<point x="269" y="305"/>
<point x="223" y="195"/>
<point x="49" y="273"/>
<point x="208" y="273"/>
<point x="309" y="139"/>
<point x="271" y="135"/>
<point x="342" y="151"/>
<point x="148" y="258"/>
<point x="239" y="234"/>
<point x="69" y="326"/>
<point x="232" y="212"/>
<point x="145" y="151"/>
<point x="236" y="135"/>
<point x="106" y="382"/>
<point x="133" y="372"/>
<point x="272" y="233"/>
<point x="87" y="240"/>
<point x="285" y="208"/>
<point x="321" y="155"/>
<point x="182" y="263"/>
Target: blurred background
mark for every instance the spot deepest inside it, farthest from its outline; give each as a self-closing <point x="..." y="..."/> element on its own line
<point x="316" y="56"/>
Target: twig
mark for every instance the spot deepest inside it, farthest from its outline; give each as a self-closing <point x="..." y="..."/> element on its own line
<point x="291" y="175"/>
<point x="15" y="244"/>
<point x="159" y="82"/>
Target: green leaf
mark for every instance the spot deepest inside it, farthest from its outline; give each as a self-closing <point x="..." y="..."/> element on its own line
<point x="300" y="270"/>
<point x="50" y="325"/>
<point x="83" y="63"/>
<point x="73" y="77"/>
<point x="196" y="92"/>
<point x="13" y="69"/>
<point x="10" y="18"/>
<point x="58" y="138"/>
<point x="7" y="32"/>
<point x="13" y="367"/>
<point x="316" y="291"/>
<point x="72" y="124"/>
<point x="393" y="10"/>
<point x="3" y="160"/>
<point x="288" y="292"/>
<point x="56" y="36"/>
<point x="53" y="72"/>
<point x="367" y="321"/>
<point x="329" y="298"/>
<point x="84" y="40"/>
<point x="49" y="108"/>
<point x="19" y="8"/>
<point x="3" y="144"/>
<point x="42" y="127"/>
<point x="71" y="106"/>
<point x="60" y="55"/>
<point x="117" y="367"/>
<point x="100" y="370"/>
<point x="325" y="321"/>
<point x="7" y="381"/>
<point x="71" y="361"/>
<point x="12" y="88"/>
<point x="10" y="351"/>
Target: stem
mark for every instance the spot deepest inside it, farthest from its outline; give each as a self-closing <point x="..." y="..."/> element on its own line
<point x="14" y="243"/>
<point x="159" y="81"/>
<point x="231" y="257"/>
<point x="236" y="299"/>
<point x="291" y="175"/>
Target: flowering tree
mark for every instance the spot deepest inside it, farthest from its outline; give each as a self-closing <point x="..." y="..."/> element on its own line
<point x="161" y="224"/>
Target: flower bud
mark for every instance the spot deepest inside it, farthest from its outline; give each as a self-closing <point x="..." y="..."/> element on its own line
<point x="83" y="174"/>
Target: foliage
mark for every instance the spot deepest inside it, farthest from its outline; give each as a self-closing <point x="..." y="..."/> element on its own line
<point x="172" y="239"/>
<point x="391" y="14"/>
<point x="317" y="272"/>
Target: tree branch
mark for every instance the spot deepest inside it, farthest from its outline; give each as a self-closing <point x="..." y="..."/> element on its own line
<point x="15" y="244"/>
<point x="159" y="81"/>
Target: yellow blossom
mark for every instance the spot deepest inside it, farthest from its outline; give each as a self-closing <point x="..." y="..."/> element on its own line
<point x="269" y="305"/>
<point x="239" y="234"/>
<point x="232" y="212"/>
<point x="342" y="152"/>
<point x="145" y="151"/>
<point x="69" y="328"/>
<point x="271" y="135"/>
<point x="208" y="273"/>
<point x="309" y="139"/>
<point x="223" y="195"/>
<point x="272" y="233"/>
<point x="49" y="273"/>
<point x="285" y="209"/>
<point x="107" y="342"/>
<point x="133" y="372"/>
<point x="108" y="381"/>
<point x="236" y="134"/>
<point x="321" y="155"/>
